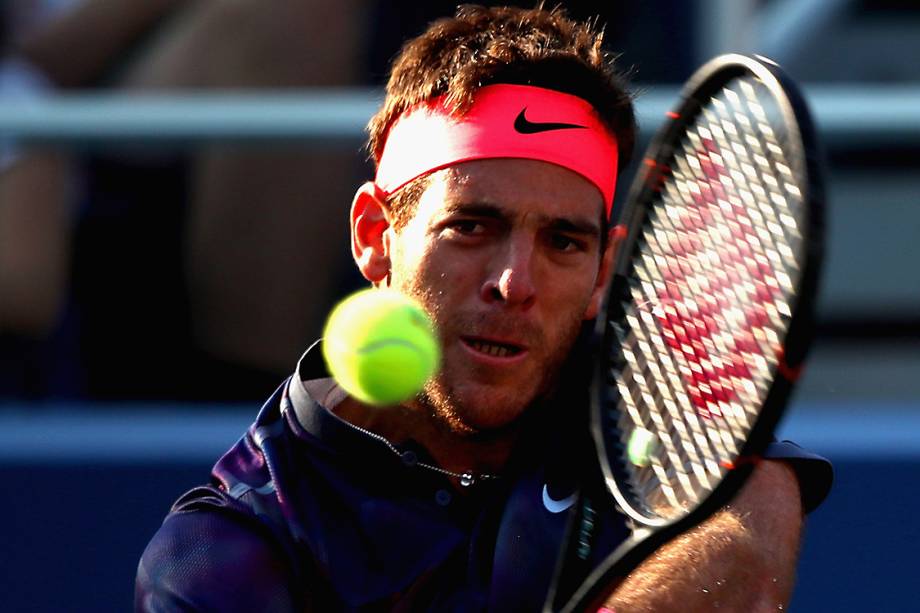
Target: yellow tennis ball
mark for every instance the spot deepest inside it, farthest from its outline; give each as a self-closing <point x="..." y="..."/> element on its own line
<point x="641" y="446"/>
<point x="380" y="346"/>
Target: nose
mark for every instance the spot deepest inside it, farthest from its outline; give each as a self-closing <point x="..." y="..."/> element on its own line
<point x="511" y="281"/>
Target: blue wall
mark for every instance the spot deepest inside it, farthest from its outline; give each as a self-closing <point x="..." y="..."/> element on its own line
<point x="860" y="547"/>
<point x="72" y="535"/>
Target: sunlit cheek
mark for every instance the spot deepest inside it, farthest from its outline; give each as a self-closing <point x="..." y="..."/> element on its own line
<point x="407" y="256"/>
<point x="443" y="272"/>
<point x="421" y="278"/>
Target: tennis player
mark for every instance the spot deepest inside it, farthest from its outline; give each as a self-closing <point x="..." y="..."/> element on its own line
<point x="497" y="149"/>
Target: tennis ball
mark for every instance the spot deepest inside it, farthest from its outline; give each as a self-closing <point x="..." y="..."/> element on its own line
<point x="640" y="447"/>
<point x="380" y="346"/>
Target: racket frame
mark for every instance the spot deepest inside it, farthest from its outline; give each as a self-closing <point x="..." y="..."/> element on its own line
<point x="649" y="534"/>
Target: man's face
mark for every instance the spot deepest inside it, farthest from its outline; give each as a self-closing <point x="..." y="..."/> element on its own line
<point x="506" y="256"/>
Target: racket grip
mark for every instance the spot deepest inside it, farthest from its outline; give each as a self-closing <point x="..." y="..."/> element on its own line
<point x="575" y="563"/>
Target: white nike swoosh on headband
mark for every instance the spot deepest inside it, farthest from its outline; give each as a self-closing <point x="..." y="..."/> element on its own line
<point x="557" y="506"/>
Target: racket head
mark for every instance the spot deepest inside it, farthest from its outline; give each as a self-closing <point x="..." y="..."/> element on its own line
<point x="709" y="313"/>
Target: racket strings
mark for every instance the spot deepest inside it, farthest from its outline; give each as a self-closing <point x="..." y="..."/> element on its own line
<point x="703" y="447"/>
<point x="708" y="302"/>
<point x="763" y="148"/>
<point x="667" y="483"/>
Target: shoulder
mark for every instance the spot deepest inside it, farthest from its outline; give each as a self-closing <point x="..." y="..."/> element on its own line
<point x="213" y="560"/>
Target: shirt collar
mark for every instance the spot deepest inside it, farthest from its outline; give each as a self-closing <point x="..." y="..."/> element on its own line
<point x="311" y="394"/>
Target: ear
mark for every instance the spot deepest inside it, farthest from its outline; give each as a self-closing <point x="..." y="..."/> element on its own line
<point x="615" y="238"/>
<point x="369" y="222"/>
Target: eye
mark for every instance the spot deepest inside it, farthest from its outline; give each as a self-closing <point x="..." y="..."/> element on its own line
<point x="565" y="243"/>
<point x="468" y="227"/>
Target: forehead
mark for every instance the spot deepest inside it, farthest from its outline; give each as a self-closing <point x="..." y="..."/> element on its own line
<point x="521" y="188"/>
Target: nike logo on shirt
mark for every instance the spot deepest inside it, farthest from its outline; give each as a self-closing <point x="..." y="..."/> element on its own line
<point x="525" y="126"/>
<point x="557" y="506"/>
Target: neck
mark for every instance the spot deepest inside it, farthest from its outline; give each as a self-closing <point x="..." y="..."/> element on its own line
<point x="453" y="451"/>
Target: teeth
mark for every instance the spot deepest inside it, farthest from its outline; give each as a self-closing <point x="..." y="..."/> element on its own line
<point x="492" y="349"/>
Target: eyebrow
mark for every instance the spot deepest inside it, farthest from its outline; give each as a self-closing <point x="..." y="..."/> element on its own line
<point x="576" y="226"/>
<point x="585" y="227"/>
<point x="478" y="209"/>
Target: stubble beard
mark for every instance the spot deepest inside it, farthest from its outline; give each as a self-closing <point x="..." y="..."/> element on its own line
<point x="445" y="406"/>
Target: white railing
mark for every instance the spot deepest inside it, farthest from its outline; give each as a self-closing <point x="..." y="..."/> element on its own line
<point x="862" y="116"/>
<point x="136" y="432"/>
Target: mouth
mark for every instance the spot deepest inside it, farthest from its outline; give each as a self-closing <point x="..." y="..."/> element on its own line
<point x="492" y="348"/>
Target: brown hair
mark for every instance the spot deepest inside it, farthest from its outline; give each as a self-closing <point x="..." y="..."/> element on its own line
<point x="481" y="46"/>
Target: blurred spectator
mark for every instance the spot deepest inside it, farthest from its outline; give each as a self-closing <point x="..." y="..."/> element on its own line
<point x="253" y="238"/>
<point x="35" y="225"/>
<point x="267" y="240"/>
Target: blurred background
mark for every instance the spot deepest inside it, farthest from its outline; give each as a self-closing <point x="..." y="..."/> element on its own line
<point x="175" y="177"/>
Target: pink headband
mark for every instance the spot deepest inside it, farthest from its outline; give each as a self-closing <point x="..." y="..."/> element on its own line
<point x="505" y="121"/>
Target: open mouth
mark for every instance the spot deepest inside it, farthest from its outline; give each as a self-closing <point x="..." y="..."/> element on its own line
<point x="493" y="348"/>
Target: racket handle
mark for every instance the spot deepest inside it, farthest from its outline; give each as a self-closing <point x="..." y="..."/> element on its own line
<point x="573" y="565"/>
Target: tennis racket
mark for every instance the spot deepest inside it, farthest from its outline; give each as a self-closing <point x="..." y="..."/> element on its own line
<point x="708" y="316"/>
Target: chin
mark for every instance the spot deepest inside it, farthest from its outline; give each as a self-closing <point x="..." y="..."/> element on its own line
<point x="488" y="420"/>
<point x="479" y="410"/>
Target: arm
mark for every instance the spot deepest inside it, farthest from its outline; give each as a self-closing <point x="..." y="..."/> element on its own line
<point x="35" y="216"/>
<point x="211" y="561"/>
<point x="742" y="559"/>
<point x="35" y="226"/>
<point x="100" y="30"/>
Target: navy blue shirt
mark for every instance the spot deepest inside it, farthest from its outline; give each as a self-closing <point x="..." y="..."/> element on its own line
<point x="308" y="512"/>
